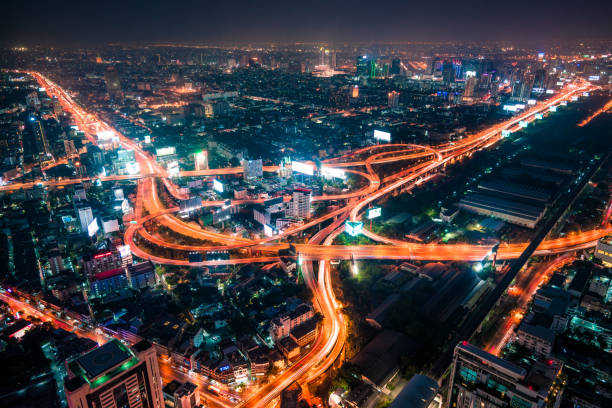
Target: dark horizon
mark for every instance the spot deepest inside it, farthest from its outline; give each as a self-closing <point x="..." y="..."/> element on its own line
<point x="71" y="23"/>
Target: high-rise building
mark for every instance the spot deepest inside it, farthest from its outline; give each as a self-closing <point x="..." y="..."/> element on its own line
<point x="355" y="91"/>
<point x="85" y="216"/>
<point x="115" y="376"/>
<point x="57" y="107"/>
<point x="201" y="160"/>
<point x="252" y="169"/>
<point x="35" y="144"/>
<point x="470" y="85"/>
<point x="480" y="379"/>
<point x="332" y="60"/>
<point x="396" y="67"/>
<point x="393" y="99"/>
<point x="113" y="84"/>
<point x="448" y="72"/>
<point x="301" y="202"/>
<point x="366" y="66"/>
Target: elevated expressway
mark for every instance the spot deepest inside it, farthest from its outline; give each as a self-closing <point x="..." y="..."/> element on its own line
<point x="425" y="161"/>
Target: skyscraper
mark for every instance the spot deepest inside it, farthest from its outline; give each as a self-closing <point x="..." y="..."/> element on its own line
<point x="300" y="203"/>
<point x="115" y="376"/>
<point x="470" y="84"/>
<point x="113" y="84"/>
<point x="448" y="72"/>
<point x="396" y="67"/>
<point x="479" y="379"/>
<point x="36" y="145"/>
<point x="85" y="216"/>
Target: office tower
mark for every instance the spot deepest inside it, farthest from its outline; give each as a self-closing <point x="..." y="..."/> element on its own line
<point x="322" y="56"/>
<point x="113" y="84"/>
<point x="393" y="99"/>
<point x="470" y="84"/>
<point x="479" y="379"/>
<point x="396" y="67"/>
<point x="201" y="160"/>
<point x="540" y="80"/>
<point x="252" y="169"/>
<point x="332" y="60"/>
<point x="366" y="66"/>
<point x="85" y="216"/>
<point x="35" y="144"/>
<point x="115" y="376"/>
<point x="300" y="203"/>
<point x="448" y="72"/>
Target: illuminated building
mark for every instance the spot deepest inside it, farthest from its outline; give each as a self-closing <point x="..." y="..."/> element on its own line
<point x="252" y="169"/>
<point x="480" y="379"/>
<point x="470" y="84"/>
<point x="448" y="72"/>
<point x="603" y="250"/>
<point x="85" y="216"/>
<point x="114" y="375"/>
<point x="355" y="91"/>
<point x="393" y="99"/>
<point x="38" y="146"/>
<point x="32" y="100"/>
<point x="181" y="395"/>
<point x="101" y="262"/>
<point x="113" y="84"/>
<point x="201" y="160"/>
<point x="366" y="66"/>
<point x="300" y="203"/>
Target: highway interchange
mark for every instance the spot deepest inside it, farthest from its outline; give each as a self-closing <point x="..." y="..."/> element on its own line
<point x="424" y="162"/>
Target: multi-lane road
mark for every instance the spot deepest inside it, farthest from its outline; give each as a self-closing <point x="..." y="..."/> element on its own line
<point x="417" y="164"/>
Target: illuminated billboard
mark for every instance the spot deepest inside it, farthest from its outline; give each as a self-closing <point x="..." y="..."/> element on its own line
<point x="217" y="186"/>
<point x="105" y="135"/>
<point x="531" y="102"/>
<point x="330" y="172"/>
<point x="374" y="212"/>
<point x="593" y="77"/>
<point x="303" y="168"/>
<point x="538" y="116"/>
<point x="353" y="228"/>
<point x="165" y="151"/>
<point x="506" y="133"/>
<point x="92" y="228"/>
<point x="147" y="139"/>
<point x="380" y="135"/>
<point x="552" y="109"/>
<point x="523" y="124"/>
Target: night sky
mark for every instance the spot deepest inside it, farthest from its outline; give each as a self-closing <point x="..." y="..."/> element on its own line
<point x="70" y="22"/>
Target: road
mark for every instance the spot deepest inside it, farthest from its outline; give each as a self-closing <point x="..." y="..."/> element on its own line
<point x="421" y="163"/>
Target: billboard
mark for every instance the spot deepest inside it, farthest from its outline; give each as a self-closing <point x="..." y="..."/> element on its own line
<point x="217" y="186"/>
<point x="173" y="169"/>
<point x="124" y="251"/>
<point x="303" y="168"/>
<point x="165" y="151"/>
<point x="538" y="116"/>
<point x="531" y="102"/>
<point x="330" y="172"/>
<point x="553" y="108"/>
<point x="374" y="212"/>
<point x="92" y="228"/>
<point x="353" y="228"/>
<point x="105" y="135"/>
<point x="523" y="124"/>
<point x="147" y="139"/>
<point x="505" y="133"/>
<point x="380" y="135"/>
